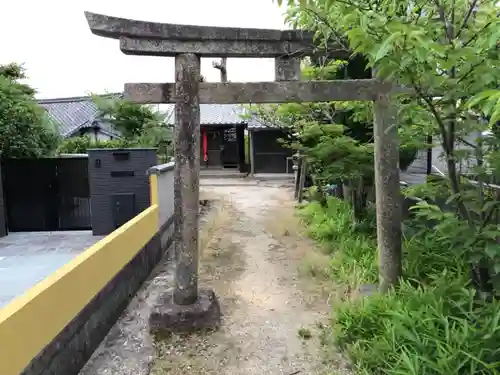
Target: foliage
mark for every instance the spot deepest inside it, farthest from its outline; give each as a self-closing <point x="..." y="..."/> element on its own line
<point x="435" y="329"/>
<point x="433" y="323"/>
<point x="331" y="155"/>
<point x="335" y="138"/>
<point x="128" y="117"/>
<point x="444" y="47"/>
<point x="445" y="52"/>
<point x="25" y="129"/>
<point x="159" y="136"/>
<point x="140" y="125"/>
<point x="352" y="250"/>
<point x="331" y="136"/>
<point x="80" y="145"/>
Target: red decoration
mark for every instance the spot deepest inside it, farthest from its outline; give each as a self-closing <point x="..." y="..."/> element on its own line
<point x="205" y="146"/>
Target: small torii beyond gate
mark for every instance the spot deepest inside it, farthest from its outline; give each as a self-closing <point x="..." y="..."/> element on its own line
<point x="187" y="307"/>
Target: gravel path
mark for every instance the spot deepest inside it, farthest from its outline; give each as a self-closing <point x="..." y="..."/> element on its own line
<point x="270" y="317"/>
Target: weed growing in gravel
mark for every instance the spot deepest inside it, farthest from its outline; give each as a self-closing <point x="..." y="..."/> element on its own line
<point x="304" y="333"/>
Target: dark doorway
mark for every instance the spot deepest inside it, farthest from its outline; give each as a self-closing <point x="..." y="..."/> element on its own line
<point x="230" y="154"/>
<point x="214" y="148"/>
<point x="222" y="147"/>
<point x="46" y="194"/>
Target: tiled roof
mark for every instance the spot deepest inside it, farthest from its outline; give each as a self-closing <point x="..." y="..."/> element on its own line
<point x="72" y="114"/>
<point x="255" y="123"/>
<point x="214" y="114"/>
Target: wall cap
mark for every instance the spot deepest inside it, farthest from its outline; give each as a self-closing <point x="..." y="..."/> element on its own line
<point x="123" y="149"/>
<point x="162" y="168"/>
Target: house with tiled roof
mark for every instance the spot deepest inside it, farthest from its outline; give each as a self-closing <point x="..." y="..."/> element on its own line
<point x="222" y="135"/>
<point x="78" y="116"/>
<point x="223" y="129"/>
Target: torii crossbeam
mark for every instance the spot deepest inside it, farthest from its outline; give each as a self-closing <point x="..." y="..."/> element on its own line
<point x="191" y="308"/>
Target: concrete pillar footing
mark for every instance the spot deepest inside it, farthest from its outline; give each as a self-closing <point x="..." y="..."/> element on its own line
<point x="168" y="317"/>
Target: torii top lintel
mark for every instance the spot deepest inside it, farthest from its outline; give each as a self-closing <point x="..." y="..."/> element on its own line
<point x="163" y="39"/>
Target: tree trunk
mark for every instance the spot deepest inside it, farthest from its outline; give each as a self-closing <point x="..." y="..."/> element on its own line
<point x="358" y="199"/>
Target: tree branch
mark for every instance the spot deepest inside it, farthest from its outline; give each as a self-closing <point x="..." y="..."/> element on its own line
<point x="474" y="37"/>
<point x="442" y="17"/>
<point x="329" y="26"/>
<point x="467" y="17"/>
<point x="222" y="66"/>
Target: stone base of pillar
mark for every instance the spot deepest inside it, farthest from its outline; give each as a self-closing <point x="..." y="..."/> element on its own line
<point x="167" y="317"/>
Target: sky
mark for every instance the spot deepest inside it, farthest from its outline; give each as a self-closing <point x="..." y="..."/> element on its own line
<point x="63" y="58"/>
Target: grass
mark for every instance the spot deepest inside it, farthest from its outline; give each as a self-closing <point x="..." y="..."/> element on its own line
<point x="216" y="217"/>
<point x="350" y="254"/>
<point x="191" y="353"/>
<point x="432" y="324"/>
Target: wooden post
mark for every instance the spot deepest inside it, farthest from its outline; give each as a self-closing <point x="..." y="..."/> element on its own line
<point x="429" y="155"/>
<point x="251" y="152"/>
<point x="296" y="173"/>
<point x="302" y="179"/>
<point x="387" y="191"/>
<point x="187" y="176"/>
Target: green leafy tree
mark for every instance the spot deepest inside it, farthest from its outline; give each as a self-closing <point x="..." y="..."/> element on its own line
<point x="446" y="52"/>
<point x="128" y="117"/>
<point x="329" y="136"/>
<point x="25" y="129"/>
<point x="140" y="125"/>
<point x="336" y="137"/>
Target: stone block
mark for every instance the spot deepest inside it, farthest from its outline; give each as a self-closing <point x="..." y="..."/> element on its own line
<point x="168" y="317"/>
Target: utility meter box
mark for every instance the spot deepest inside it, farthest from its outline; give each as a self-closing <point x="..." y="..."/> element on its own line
<point x="119" y="186"/>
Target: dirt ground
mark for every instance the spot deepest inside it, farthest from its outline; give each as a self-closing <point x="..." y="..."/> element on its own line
<point x="272" y="315"/>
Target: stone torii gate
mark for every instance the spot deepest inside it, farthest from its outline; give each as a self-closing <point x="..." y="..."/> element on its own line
<point x="188" y="307"/>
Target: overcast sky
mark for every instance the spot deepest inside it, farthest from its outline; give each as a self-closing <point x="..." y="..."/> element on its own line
<point x="63" y="58"/>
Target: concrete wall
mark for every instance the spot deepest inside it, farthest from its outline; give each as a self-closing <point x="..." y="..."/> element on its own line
<point x="112" y="176"/>
<point x="163" y="176"/>
<point x="54" y="328"/>
<point x="419" y="166"/>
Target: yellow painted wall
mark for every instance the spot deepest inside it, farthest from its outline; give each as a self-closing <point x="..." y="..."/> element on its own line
<point x="32" y="320"/>
<point x="153" y="189"/>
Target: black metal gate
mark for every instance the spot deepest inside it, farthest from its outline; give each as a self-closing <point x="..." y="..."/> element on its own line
<point x="270" y="156"/>
<point x="46" y="194"/>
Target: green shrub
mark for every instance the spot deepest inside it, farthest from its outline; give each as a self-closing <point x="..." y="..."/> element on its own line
<point x="426" y="255"/>
<point x="433" y="329"/>
<point x="432" y="324"/>
<point x="353" y="252"/>
<point x="80" y="145"/>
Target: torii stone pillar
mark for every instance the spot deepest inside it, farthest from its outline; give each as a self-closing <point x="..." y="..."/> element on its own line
<point x="188" y="307"/>
<point x="187" y="177"/>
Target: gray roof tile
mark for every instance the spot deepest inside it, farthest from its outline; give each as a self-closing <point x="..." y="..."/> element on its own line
<point x="72" y="114"/>
<point x="255" y="124"/>
<point x="214" y="114"/>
